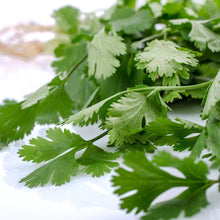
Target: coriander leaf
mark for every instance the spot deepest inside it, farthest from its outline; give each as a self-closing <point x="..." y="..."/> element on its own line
<point x="195" y="93"/>
<point x="137" y="146"/>
<point x="202" y="36"/>
<point x="190" y="201"/>
<point x="211" y="9"/>
<point x="130" y="21"/>
<point x="149" y="181"/>
<point x="212" y="98"/>
<point x="15" y="122"/>
<point x="102" y="52"/>
<point x="199" y="145"/>
<point x="59" y="149"/>
<point x="187" y="166"/>
<point x="55" y="106"/>
<point x="58" y="171"/>
<point x="86" y="116"/>
<point x="114" y="84"/>
<point x="84" y="88"/>
<point x="167" y="60"/>
<point x="68" y="56"/>
<point x="213" y="139"/>
<point x="126" y="76"/>
<point x="93" y="113"/>
<point x="209" y="69"/>
<point x="32" y="99"/>
<point x="170" y="96"/>
<point x="156" y="8"/>
<point x="163" y="131"/>
<point x="177" y="10"/>
<point x="125" y="116"/>
<point x="57" y="142"/>
<point x="67" y="18"/>
<point x="97" y="161"/>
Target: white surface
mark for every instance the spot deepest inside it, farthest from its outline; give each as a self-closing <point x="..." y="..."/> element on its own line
<point x="84" y="198"/>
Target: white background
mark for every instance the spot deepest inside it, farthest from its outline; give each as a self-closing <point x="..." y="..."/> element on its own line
<point x="84" y="197"/>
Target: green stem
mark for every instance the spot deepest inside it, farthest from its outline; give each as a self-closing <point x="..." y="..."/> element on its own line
<point x="91" y="98"/>
<point x="75" y="67"/>
<point x="152" y="37"/>
<point x="168" y="88"/>
<point x="99" y="136"/>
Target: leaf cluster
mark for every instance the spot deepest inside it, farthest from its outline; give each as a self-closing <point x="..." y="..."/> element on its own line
<point x="123" y="70"/>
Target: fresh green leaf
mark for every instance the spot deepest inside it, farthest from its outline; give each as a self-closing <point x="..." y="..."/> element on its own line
<point x="212" y="98"/>
<point x="68" y="56"/>
<point x="186" y="166"/>
<point x="147" y="181"/>
<point x="209" y="69"/>
<point x="199" y="145"/>
<point x="58" y="171"/>
<point x="84" y="87"/>
<point x="156" y="8"/>
<point x="34" y="98"/>
<point x="174" y="10"/>
<point x="202" y="36"/>
<point x="67" y="18"/>
<point x="195" y="93"/>
<point x="58" y="142"/>
<point x="54" y="108"/>
<point x="15" y="122"/>
<point x="130" y="21"/>
<point x="93" y="113"/>
<point x="125" y="117"/>
<point x="167" y="60"/>
<point x="137" y="146"/>
<point x="190" y="201"/>
<point x="97" y="161"/>
<point x="213" y="139"/>
<point x="58" y="150"/>
<point x="163" y="131"/>
<point x="102" y="52"/>
<point x="211" y="9"/>
<point x="171" y="96"/>
<point x="126" y="76"/>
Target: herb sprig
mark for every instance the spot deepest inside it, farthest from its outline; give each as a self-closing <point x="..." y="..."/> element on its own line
<point x="123" y="70"/>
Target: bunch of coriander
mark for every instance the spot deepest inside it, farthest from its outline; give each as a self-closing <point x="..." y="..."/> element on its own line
<point x="124" y="70"/>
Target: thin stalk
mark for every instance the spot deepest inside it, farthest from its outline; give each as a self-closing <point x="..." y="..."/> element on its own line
<point x="75" y="67"/>
<point x="91" y="98"/>
<point x="151" y="37"/>
<point x="168" y="88"/>
<point x="99" y="136"/>
<point x="155" y="36"/>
